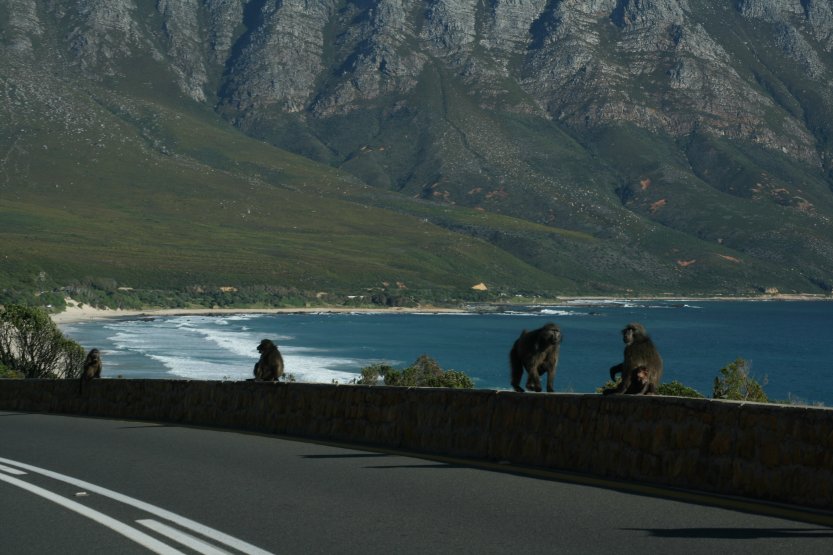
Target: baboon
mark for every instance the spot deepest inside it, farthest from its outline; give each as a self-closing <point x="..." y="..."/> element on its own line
<point x="639" y="382"/>
<point x="537" y="351"/>
<point x="92" y="368"/>
<point x="641" y="368"/>
<point x="270" y="366"/>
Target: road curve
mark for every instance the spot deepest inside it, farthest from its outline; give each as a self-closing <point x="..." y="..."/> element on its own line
<point x="87" y="485"/>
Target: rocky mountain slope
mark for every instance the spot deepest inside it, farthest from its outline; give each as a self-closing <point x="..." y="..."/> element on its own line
<point x="592" y="146"/>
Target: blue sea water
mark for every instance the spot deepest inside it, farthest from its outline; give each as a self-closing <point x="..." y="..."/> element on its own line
<point x="788" y="344"/>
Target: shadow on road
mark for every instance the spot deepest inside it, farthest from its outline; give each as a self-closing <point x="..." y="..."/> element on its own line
<point x="347" y="456"/>
<point x="737" y="533"/>
<point x="427" y="465"/>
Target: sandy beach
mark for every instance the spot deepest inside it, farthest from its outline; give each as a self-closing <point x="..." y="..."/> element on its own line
<point x="75" y="312"/>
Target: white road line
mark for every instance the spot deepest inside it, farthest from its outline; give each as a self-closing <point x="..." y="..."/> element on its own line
<point x="181" y="521"/>
<point x="185" y="539"/>
<point x="9" y="470"/>
<point x="100" y="518"/>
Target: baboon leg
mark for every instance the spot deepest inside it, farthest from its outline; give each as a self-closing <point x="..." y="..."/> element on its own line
<point x="550" y="379"/>
<point x="517" y="371"/>
<point x="533" y="380"/>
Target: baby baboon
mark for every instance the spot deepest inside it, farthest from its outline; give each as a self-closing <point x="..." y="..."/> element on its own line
<point x="92" y="368"/>
<point x="270" y="366"/>
<point x="537" y="351"/>
<point x="641" y="368"/>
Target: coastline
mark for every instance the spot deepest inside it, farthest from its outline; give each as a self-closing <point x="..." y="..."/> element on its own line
<point x="75" y="313"/>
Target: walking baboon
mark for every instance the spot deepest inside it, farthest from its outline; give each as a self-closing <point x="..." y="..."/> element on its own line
<point x="270" y="365"/>
<point x="641" y="368"/>
<point x="91" y="370"/>
<point x="537" y="351"/>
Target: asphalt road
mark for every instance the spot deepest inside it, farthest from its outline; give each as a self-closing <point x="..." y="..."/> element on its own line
<point x="85" y="485"/>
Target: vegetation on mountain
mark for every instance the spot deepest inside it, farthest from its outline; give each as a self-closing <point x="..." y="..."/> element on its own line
<point x="225" y="153"/>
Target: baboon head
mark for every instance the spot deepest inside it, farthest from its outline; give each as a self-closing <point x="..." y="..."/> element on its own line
<point x="265" y="346"/>
<point x="550" y="335"/>
<point x="633" y="332"/>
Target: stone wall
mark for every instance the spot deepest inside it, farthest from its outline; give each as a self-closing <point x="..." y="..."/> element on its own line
<point x="768" y="452"/>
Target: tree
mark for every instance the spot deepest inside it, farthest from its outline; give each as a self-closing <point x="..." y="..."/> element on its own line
<point x="32" y="345"/>
<point x="736" y="383"/>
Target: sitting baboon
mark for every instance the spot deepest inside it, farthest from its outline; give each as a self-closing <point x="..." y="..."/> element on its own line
<point x="270" y="366"/>
<point x="537" y="351"/>
<point x="641" y="368"/>
<point x="639" y="380"/>
<point x="91" y="370"/>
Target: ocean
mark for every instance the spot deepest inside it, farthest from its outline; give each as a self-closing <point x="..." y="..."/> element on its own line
<point x="789" y="344"/>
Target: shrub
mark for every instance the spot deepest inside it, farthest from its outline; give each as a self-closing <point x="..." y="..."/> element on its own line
<point x="373" y="373"/>
<point x="9" y="374"/>
<point x="794" y="400"/>
<point x="736" y="383"/>
<point x="424" y="372"/>
<point x="608" y="384"/>
<point x="33" y="346"/>
<point x="674" y="388"/>
<point x="678" y="389"/>
<point x="454" y="379"/>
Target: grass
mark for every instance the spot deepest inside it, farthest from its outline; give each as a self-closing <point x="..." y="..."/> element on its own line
<point x="190" y="219"/>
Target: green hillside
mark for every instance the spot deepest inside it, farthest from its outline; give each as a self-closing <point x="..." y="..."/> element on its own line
<point x="355" y="152"/>
<point x="211" y="207"/>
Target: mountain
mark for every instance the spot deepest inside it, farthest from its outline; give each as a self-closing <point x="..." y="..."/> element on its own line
<point x="537" y="146"/>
